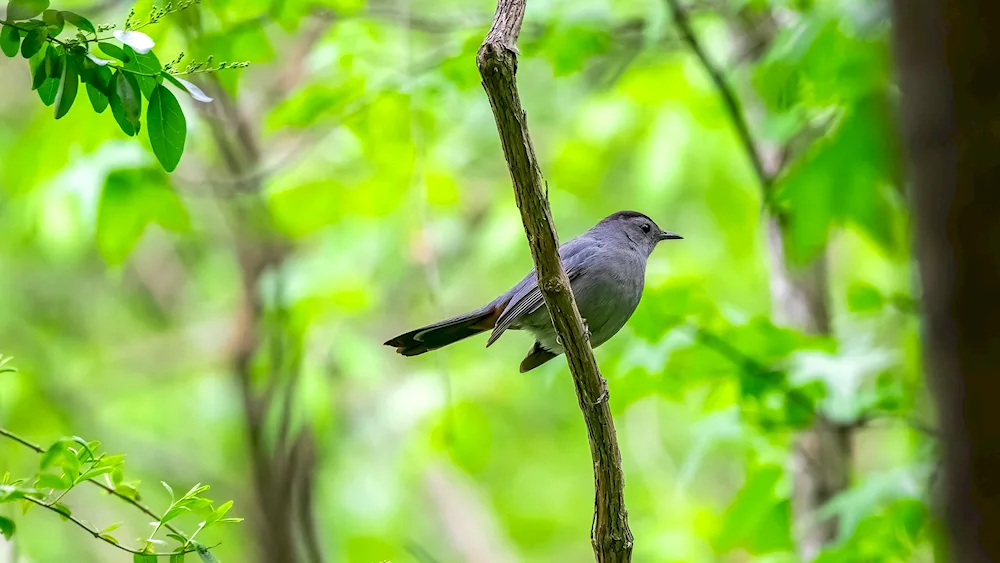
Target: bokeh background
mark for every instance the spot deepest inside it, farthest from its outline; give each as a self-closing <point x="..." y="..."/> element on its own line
<point x="224" y="323"/>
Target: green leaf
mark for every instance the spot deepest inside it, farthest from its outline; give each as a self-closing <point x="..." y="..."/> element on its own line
<point x="10" y="41"/>
<point x="109" y="537"/>
<point x="54" y="58"/>
<point x="38" y="68"/>
<point x="50" y="481"/>
<point x="62" y="509"/>
<point x="67" y="88"/>
<point x="864" y="298"/>
<point x="138" y="101"/>
<point x="71" y="465"/>
<point x="748" y="520"/>
<point x="127" y="491"/>
<point x="177" y="558"/>
<point x="221" y="511"/>
<point x="143" y="558"/>
<point x="80" y="22"/>
<point x="114" y="51"/>
<point x="876" y="493"/>
<point x="10" y="494"/>
<point x="96" y="88"/>
<point x="111" y="528"/>
<point x="34" y="41"/>
<point x="96" y="472"/>
<point x="146" y="63"/>
<point x="6" y="527"/>
<point x="117" y="476"/>
<point x="130" y="201"/>
<point x="54" y="20"/>
<point x="169" y="490"/>
<point x="111" y="461"/>
<point x="25" y="9"/>
<point x="197" y="503"/>
<point x="174" y="513"/>
<point x="126" y="105"/>
<point x="166" y="126"/>
<point x="52" y="454"/>
<point x="89" y="451"/>
<point x="196" y="490"/>
<point x="819" y="192"/>
<point x="206" y="556"/>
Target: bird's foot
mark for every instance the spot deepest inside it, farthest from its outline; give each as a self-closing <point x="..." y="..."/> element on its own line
<point x="586" y="330"/>
<point x="604" y="393"/>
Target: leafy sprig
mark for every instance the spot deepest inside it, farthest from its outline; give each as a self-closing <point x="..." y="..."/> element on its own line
<point x="70" y="461"/>
<point x="114" y="76"/>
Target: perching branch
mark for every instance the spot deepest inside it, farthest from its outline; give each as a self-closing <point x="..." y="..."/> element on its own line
<point x="497" y="62"/>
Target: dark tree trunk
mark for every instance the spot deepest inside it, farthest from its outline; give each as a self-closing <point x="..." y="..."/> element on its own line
<point x="949" y="63"/>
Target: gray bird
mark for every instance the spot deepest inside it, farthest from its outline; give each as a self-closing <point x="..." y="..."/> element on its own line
<point x="606" y="267"/>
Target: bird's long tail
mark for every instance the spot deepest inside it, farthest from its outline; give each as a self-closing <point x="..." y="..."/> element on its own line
<point x="448" y="331"/>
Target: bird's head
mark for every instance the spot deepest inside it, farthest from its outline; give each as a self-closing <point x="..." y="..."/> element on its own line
<point x="642" y="231"/>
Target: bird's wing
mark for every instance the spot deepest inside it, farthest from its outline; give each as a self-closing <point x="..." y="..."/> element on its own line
<point x="526" y="298"/>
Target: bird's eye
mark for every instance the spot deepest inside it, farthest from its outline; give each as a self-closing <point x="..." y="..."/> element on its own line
<point x="645" y="227"/>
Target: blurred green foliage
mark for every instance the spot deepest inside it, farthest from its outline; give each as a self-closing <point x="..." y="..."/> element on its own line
<point x="379" y="170"/>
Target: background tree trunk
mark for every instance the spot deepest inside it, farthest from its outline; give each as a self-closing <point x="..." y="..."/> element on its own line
<point x="949" y="63"/>
<point x="821" y="456"/>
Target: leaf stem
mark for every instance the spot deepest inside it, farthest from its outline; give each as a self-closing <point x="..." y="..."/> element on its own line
<point x="110" y="490"/>
<point x="94" y="532"/>
<point x="47" y="38"/>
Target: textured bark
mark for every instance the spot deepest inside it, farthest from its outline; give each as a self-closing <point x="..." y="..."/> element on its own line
<point x="948" y="53"/>
<point x="497" y="62"/>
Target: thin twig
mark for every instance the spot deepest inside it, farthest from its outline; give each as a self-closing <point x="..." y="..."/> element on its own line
<point x="6" y="433"/>
<point x="97" y="534"/>
<point x="729" y="98"/>
<point x="110" y="490"/>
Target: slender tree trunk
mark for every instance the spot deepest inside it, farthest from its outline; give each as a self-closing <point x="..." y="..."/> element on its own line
<point x="821" y="456"/>
<point x="820" y="463"/>
<point x="283" y="462"/>
<point x="949" y="63"/>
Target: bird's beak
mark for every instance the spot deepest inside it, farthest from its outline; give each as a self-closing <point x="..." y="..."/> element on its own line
<point x="667" y="235"/>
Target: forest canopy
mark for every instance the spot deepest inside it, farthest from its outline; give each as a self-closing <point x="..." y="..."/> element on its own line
<point x="202" y="277"/>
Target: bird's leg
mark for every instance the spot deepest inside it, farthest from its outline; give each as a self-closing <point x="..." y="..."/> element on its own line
<point x="604" y="387"/>
<point x="586" y="333"/>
